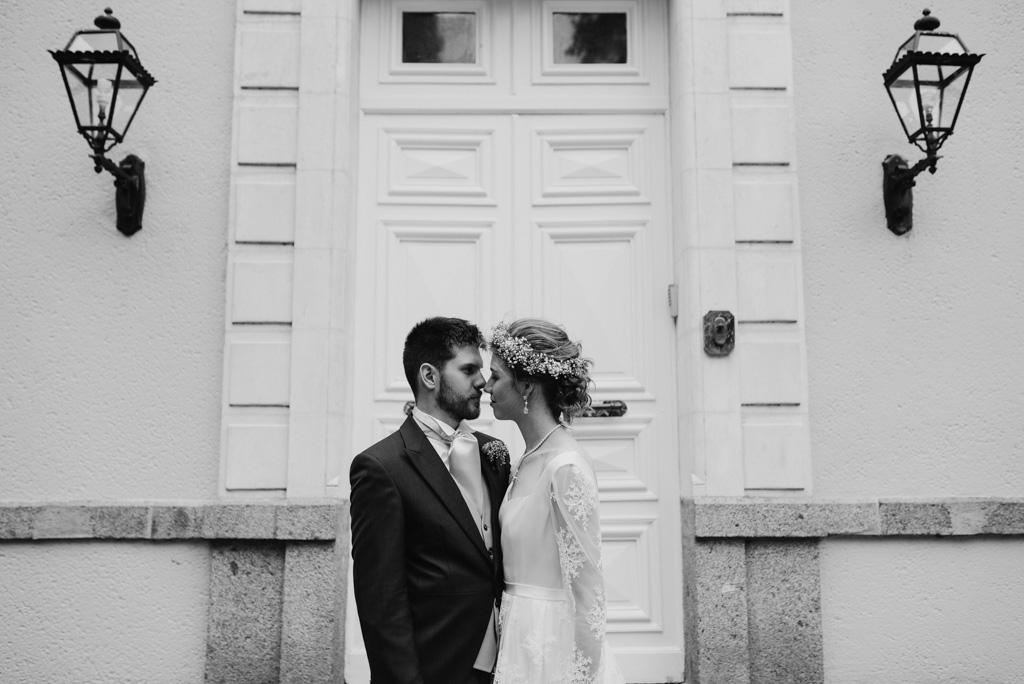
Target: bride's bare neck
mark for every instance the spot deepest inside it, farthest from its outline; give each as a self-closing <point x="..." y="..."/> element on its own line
<point x="534" y="428"/>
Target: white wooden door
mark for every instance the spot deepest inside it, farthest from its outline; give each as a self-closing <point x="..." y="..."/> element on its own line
<point x="492" y="190"/>
<point x="591" y="231"/>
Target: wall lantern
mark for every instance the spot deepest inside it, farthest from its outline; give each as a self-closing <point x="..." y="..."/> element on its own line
<point x="927" y="83"/>
<point x="106" y="84"/>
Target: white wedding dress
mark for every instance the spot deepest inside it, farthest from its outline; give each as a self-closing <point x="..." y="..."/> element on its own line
<point x="551" y="625"/>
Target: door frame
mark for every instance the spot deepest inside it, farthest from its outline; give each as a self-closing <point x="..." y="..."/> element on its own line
<point x="286" y="412"/>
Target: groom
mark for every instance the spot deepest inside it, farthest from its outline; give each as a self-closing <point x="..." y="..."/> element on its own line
<point x="426" y="559"/>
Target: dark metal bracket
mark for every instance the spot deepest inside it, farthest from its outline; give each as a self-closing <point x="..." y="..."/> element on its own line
<point x="897" y="190"/>
<point x="130" y="196"/>
<point x="719" y="333"/>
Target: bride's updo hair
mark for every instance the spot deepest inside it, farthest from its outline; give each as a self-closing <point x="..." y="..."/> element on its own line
<point x="551" y="360"/>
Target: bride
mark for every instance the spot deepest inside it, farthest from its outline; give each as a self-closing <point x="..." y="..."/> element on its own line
<point x="552" y="619"/>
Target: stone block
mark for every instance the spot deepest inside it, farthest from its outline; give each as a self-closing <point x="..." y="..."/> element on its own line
<point x="313" y="613"/>
<point x="690" y="591"/>
<point x="92" y="522"/>
<point x="120" y="522"/>
<point x="243" y="643"/>
<point x="17" y="522"/>
<point x="63" y="522"/>
<point x="970" y="516"/>
<point x="784" y="612"/>
<point x="1005" y="517"/>
<point x="720" y="650"/>
<point x="178" y="522"/>
<point x="308" y="521"/>
<point x="958" y="516"/>
<point x="763" y="517"/>
<point x="239" y="521"/>
<point x="901" y="517"/>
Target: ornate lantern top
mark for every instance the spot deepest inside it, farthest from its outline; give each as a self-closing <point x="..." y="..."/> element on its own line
<point x="105" y="81"/>
<point x="927" y="82"/>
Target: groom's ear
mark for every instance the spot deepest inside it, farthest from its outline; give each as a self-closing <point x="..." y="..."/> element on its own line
<point x="428" y="376"/>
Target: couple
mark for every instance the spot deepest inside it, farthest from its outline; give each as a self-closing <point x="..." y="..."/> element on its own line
<point x="466" y="563"/>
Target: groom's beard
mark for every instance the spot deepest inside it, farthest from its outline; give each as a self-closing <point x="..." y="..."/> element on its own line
<point x="459" y="407"/>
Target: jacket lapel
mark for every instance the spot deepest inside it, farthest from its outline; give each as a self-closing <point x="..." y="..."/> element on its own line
<point x="496" y="480"/>
<point x="495" y="477"/>
<point x="431" y="468"/>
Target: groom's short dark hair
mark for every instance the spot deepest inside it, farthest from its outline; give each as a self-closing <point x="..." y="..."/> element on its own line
<point x="435" y="341"/>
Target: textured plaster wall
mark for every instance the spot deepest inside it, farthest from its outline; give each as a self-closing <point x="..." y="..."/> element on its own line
<point x="914" y="355"/>
<point x="103" y="612"/>
<point x="922" y="611"/>
<point x="110" y="347"/>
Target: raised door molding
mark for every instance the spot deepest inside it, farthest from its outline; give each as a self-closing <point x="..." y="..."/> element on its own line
<point x="287" y="243"/>
<point x="743" y="419"/>
<point x="738" y="247"/>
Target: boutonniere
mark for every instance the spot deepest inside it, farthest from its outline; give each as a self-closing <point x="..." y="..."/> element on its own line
<point x="496" y="453"/>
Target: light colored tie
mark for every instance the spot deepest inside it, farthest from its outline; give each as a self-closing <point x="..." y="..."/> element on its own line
<point x="464" y="465"/>
<point x="464" y="461"/>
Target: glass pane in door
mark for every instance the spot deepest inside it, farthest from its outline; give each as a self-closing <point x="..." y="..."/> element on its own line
<point x="589" y="38"/>
<point x="439" y="37"/>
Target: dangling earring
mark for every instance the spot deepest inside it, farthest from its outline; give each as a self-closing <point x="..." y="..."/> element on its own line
<point x="526" y="404"/>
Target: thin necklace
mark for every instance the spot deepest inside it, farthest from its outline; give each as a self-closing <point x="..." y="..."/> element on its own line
<point x="531" y="452"/>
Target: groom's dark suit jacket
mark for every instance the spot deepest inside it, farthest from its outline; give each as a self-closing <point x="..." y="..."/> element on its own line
<point x="424" y="581"/>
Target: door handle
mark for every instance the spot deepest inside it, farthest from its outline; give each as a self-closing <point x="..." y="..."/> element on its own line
<point x="613" y="408"/>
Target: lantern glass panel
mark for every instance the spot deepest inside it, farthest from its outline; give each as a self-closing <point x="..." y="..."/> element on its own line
<point x="79" y="92"/>
<point x="904" y="97"/>
<point x="905" y="48"/>
<point x="931" y="104"/>
<point x="929" y="85"/>
<point x="952" y="94"/>
<point x="95" y="41"/>
<point x="104" y="106"/>
<point x="945" y="44"/>
<point x="102" y="82"/>
<point x="92" y="91"/>
<point x="129" y="95"/>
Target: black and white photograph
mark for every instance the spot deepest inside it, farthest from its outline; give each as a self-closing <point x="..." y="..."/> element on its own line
<point x="511" y="342"/>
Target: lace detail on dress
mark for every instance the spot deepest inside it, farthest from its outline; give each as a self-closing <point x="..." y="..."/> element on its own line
<point x="598" y="615"/>
<point x="580" y="496"/>
<point x="565" y="611"/>
<point x="579" y="669"/>
<point x="555" y="536"/>
<point x="537" y="646"/>
<point x="512" y="675"/>
<point x="570" y="554"/>
<point x="502" y="613"/>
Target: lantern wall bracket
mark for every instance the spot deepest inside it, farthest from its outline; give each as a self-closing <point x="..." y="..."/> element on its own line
<point x="130" y="196"/>
<point x="106" y="83"/>
<point x="926" y="83"/>
<point x="897" y="190"/>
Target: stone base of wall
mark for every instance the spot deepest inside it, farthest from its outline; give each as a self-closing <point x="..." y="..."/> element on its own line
<point x="752" y="593"/>
<point x="277" y="581"/>
<point x="752" y="597"/>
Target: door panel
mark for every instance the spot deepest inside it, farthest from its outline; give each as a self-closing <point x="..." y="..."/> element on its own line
<point x="597" y="259"/>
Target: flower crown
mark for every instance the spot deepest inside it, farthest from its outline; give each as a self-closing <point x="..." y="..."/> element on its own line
<point x="518" y="353"/>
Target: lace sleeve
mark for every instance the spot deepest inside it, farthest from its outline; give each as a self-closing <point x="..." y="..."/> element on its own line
<point x="578" y="531"/>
